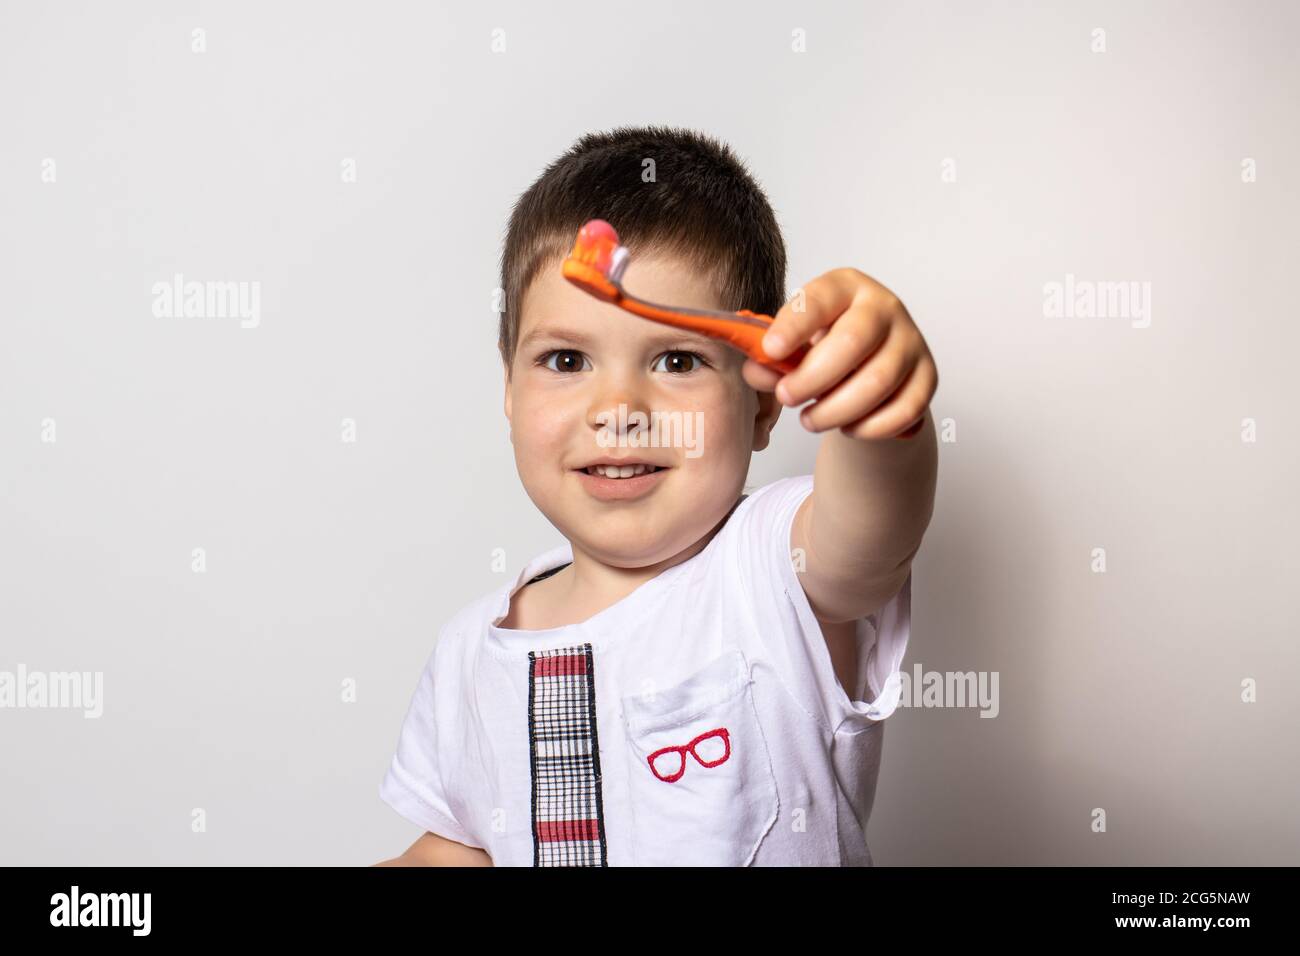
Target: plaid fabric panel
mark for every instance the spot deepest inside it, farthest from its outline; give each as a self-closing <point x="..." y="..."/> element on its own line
<point x="568" y="820"/>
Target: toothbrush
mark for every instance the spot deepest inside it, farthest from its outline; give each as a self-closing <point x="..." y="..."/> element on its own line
<point x="596" y="266"/>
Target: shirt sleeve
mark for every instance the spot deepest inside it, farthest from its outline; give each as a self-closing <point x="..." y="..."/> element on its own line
<point x="414" y="785"/>
<point x="791" y="632"/>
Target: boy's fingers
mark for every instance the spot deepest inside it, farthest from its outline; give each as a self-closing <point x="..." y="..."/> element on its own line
<point x="814" y="306"/>
<point x="758" y="376"/>
<point x="862" y="393"/>
<point x="857" y="334"/>
<point x="902" y="410"/>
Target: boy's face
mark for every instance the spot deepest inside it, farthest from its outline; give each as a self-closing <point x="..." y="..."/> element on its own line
<point x="577" y="360"/>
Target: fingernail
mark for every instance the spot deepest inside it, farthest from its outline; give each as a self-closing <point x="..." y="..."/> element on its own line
<point x="783" y="393"/>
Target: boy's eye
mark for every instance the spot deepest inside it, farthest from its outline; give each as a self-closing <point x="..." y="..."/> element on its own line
<point x="681" y="362"/>
<point x="570" y="360"/>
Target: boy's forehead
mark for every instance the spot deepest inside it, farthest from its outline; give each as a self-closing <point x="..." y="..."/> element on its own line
<point x="660" y="278"/>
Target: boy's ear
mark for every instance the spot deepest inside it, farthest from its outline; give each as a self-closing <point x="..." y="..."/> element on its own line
<point x="769" y="410"/>
<point x="506" y="370"/>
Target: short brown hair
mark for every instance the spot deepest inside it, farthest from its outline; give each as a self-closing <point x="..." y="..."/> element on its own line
<point x="701" y="204"/>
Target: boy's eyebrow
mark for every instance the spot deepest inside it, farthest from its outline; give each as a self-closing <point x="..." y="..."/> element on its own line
<point x="668" y="336"/>
<point x="555" y="332"/>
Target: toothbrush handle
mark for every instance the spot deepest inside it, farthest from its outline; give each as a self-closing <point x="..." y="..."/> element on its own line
<point x="749" y="339"/>
<point x="743" y="330"/>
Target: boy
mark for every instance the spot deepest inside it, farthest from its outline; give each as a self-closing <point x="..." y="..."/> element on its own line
<point x="697" y="676"/>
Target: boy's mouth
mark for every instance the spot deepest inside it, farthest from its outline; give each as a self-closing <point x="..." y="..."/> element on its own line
<point x="620" y="479"/>
<point x="620" y="468"/>
<point x="621" y="471"/>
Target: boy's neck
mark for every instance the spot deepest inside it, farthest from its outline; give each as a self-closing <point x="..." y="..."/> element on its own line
<point x="587" y="586"/>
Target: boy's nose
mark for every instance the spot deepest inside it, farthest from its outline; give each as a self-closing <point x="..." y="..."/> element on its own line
<point x="614" y="408"/>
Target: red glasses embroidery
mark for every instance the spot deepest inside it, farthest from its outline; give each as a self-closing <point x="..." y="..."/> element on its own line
<point x="681" y="752"/>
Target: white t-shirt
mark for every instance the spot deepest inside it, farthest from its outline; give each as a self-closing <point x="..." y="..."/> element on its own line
<point x="697" y="721"/>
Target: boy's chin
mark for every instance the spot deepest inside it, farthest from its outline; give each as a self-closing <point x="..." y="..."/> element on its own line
<point x="631" y="546"/>
<point x="627" y="562"/>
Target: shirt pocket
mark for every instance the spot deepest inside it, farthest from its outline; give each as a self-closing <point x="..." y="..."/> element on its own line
<point x="703" y="791"/>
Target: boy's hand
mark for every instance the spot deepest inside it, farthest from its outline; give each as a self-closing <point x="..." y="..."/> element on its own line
<point x="869" y="367"/>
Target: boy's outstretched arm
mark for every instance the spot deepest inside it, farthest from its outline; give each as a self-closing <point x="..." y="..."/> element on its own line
<point x="873" y="377"/>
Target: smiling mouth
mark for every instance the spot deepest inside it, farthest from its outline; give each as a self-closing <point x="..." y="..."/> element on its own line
<point x="620" y="471"/>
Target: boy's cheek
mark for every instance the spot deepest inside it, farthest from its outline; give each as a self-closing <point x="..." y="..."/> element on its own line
<point x="543" y="420"/>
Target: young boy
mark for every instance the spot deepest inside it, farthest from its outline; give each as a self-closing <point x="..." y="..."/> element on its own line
<point x="697" y="675"/>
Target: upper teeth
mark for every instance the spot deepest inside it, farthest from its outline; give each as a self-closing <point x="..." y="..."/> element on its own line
<point x="620" y="471"/>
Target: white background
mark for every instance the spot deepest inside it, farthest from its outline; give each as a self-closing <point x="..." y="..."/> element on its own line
<point x="329" y="561"/>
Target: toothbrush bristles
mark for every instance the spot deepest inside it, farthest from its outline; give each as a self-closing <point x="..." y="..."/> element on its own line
<point x="598" y="247"/>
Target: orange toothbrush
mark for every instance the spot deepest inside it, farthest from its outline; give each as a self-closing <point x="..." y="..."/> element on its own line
<point x="596" y="265"/>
